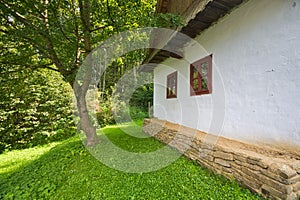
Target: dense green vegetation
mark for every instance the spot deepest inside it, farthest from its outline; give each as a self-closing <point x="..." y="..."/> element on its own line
<point x="112" y="107"/>
<point x="34" y="108"/>
<point x="66" y="170"/>
<point x="58" y="36"/>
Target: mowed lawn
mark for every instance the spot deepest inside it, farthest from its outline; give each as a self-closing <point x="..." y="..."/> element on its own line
<point x="66" y="170"/>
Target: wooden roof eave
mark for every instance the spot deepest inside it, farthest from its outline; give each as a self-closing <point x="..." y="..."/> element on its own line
<point x="200" y="15"/>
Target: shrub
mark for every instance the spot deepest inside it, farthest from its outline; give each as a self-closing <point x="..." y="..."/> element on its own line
<point x="33" y="105"/>
<point x="138" y="113"/>
<point x="2" y="147"/>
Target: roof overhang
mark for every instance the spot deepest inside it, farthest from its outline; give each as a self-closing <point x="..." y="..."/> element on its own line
<point x="200" y="15"/>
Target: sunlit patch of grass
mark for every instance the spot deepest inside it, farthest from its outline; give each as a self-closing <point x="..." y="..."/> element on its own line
<point x="66" y="170"/>
<point x="12" y="160"/>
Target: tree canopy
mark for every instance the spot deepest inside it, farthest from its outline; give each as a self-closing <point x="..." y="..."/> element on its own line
<point x="58" y="35"/>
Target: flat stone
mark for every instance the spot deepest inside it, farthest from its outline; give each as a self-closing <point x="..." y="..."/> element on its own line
<point x="228" y="175"/>
<point x="269" y="191"/>
<point x="292" y="196"/>
<point x="250" y="168"/>
<point x="274" y="176"/>
<point x="251" y="173"/>
<point x="207" y="146"/>
<point x="254" y="167"/>
<point x="223" y="155"/>
<point x="235" y="166"/>
<point x="222" y="162"/>
<point x="227" y="169"/>
<point x="206" y="151"/>
<point x="240" y="157"/>
<point x="296" y="166"/>
<point x="207" y="157"/>
<point x="283" y="170"/>
<point x="246" y="180"/>
<point x="205" y="164"/>
<point x="285" y="189"/>
<point x="296" y="187"/>
<point x="257" y="161"/>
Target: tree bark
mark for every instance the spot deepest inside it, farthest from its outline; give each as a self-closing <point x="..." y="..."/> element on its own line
<point x="85" y="122"/>
<point x="81" y="90"/>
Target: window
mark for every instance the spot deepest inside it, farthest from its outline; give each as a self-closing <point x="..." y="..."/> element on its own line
<point x="200" y="76"/>
<point x="172" y="85"/>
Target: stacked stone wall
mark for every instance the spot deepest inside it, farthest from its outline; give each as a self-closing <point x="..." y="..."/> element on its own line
<point x="275" y="174"/>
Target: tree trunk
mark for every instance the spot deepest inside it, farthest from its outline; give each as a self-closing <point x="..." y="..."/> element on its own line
<point x="85" y="122"/>
<point x="81" y="89"/>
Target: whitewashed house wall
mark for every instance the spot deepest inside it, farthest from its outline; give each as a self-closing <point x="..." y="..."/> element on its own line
<point x="256" y="68"/>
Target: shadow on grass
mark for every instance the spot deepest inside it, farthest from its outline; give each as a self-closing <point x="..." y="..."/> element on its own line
<point x="40" y="177"/>
<point x="69" y="171"/>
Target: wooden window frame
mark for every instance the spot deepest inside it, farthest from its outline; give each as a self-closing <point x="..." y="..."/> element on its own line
<point x="170" y="77"/>
<point x="200" y="91"/>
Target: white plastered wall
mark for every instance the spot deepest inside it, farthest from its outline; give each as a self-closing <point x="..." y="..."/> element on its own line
<point x="256" y="68"/>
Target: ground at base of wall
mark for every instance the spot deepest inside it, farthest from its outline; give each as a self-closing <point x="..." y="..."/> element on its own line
<point x="271" y="171"/>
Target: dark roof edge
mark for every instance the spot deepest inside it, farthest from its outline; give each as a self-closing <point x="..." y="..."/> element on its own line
<point x="201" y="15"/>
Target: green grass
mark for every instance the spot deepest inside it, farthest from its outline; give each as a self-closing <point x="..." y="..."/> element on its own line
<point x="66" y="170"/>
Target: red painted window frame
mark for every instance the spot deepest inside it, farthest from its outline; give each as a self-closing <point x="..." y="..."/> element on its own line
<point x="200" y="91"/>
<point x="170" y="77"/>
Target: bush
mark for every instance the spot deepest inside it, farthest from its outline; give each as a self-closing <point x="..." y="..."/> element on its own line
<point x="62" y="134"/>
<point x="33" y="105"/>
<point x="138" y="113"/>
<point x="105" y="113"/>
<point x="142" y="96"/>
<point x="112" y="108"/>
<point x="2" y="147"/>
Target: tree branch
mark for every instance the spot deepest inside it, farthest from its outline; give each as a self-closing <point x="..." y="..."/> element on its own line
<point x="33" y="67"/>
<point x="99" y="28"/>
<point x="85" y="19"/>
<point x="109" y="14"/>
<point x="44" y="33"/>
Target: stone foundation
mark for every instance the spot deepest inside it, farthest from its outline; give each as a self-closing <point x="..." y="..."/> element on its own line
<point x="271" y="172"/>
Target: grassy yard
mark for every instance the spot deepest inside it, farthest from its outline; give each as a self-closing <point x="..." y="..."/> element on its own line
<point x="66" y="170"/>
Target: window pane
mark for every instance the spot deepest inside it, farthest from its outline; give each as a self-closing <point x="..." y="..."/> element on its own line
<point x="195" y="85"/>
<point x="195" y="72"/>
<point x="204" y="74"/>
<point x="204" y="85"/>
<point x="172" y="85"/>
<point x="173" y="89"/>
<point x="200" y="76"/>
<point x="173" y="81"/>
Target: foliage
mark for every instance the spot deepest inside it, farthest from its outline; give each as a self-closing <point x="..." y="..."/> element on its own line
<point x="62" y="33"/>
<point x="121" y="103"/>
<point x="58" y="35"/>
<point x="32" y="108"/>
<point x="137" y="113"/>
<point x="167" y="20"/>
<point x="2" y="147"/>
<point x="105" y="112"/>
<point x="68" y="171"/>
<point x="112" y="110"/>
<point x="142" y="96"/>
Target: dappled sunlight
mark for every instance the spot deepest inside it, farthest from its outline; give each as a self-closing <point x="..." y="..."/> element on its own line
<point x="66" y="170"/>
<point x="13" y="160"/>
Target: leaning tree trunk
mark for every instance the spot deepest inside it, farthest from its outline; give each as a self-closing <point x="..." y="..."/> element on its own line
<point x="81" y="86"/>
<point x="85" y="122"/>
